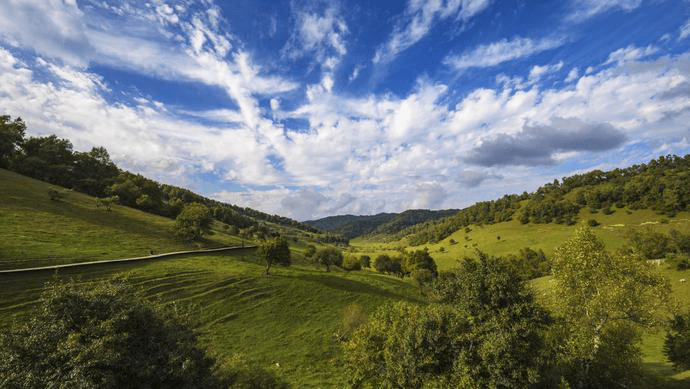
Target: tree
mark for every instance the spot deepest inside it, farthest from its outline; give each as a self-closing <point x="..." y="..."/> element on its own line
<point x="11" y="138"/>
<point x="604" y="300"/>
<point x="677" y="342"/>
<point x="193" y="222"/>
<point x="418" y="260"/>
<point x="275" y="251"/>
<point x="329" y="256"/>
<point x="484" y="331"/>
<point x="105" y="335"/>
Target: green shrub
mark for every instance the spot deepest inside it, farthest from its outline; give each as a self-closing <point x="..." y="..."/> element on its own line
<point x="351" y="263"/>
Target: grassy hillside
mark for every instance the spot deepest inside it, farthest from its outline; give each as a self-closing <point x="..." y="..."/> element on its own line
<point x="288" y="318"/>
<point x="509" y="237"/>
<point x="38" y="231"/>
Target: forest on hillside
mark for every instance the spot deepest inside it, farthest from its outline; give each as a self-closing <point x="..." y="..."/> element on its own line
<point x="662" y="184"/>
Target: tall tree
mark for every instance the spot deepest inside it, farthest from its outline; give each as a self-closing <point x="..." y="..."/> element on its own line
<point x="605" y="300"/>
<point x="11" y="138"/>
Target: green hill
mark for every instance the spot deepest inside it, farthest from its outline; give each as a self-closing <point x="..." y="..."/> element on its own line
<point x="38" y="231"/>
<point x="284" y="323"/>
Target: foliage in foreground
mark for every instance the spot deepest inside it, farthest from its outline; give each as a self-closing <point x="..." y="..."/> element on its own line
<point x="677" y="342"/>
<point x="485" y="331"/>
<point x="605" y="301"/>
<point x="104" y="336"/>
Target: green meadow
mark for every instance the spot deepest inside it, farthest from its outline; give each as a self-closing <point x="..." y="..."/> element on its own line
<point x="286" y="322"/>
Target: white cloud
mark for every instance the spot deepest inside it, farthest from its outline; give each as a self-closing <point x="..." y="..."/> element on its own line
<point x="585" y="9"/>
<point x="321" y="33"/>
<point x="537" y="71"/>
<point x="684" y="30"/>
<point x="572" y="75"/>
<point x="499" y="52"/>
<point x="351" y="154"/>
<point x="418" y="20"/>
<point x="630" y="53"/>
<point x="52" y="27"/>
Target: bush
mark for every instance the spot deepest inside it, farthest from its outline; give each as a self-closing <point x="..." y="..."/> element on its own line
<point x="351" y="263"/>
<point x="365" y="261"/>
<point x="592" y="223"/>
<point x="103" y="335"/>
<point x="193" y="222"/>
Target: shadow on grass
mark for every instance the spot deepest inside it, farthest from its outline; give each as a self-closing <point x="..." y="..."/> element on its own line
<point x="664" y="376"/>
<point x="348" y="285"/>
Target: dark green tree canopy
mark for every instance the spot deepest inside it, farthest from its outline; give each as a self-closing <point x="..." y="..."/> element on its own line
<point x="102" y="336"/>
<point x="329" y="256"/>
<point x="11" y="138"/>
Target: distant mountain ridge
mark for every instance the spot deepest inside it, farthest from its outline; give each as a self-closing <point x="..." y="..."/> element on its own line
<point x="352" y="226"/>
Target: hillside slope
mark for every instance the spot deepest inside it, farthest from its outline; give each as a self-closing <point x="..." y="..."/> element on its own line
<point x="38" y="231"/>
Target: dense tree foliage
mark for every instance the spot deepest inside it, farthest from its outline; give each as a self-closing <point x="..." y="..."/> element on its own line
<point x="275" y="251"/>
<point x="662" y="185"/>
<point x="11" y="138"/>
<point x="193" y="222"/>
<point x="605" y="300"/>
<point x="102" y="336"/>
<point x="484" y="331"/>
<point x="677" y="342"/>
<point x="328" y="256"/>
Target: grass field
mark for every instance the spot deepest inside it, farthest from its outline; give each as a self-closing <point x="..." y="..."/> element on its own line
<point x="287" y="318"/>
<point x="37" y="231"/>
<point x="284" y="322"/>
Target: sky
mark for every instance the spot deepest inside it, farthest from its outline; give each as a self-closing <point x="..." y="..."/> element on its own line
<point x="314" y="108"/>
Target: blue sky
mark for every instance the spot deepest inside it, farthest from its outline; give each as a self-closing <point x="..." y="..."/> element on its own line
<point x="315" y="108"/>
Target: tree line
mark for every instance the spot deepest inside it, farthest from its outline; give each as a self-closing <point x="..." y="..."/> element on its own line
<point x="663" y="185"/>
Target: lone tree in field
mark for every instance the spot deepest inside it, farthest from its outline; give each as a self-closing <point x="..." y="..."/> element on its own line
<point x="275" y="251"/>
<point x="606" y="300"/>
<point x="329" y="256"/>
<point x="102" y="336"/>
<point x="193" y="222"/>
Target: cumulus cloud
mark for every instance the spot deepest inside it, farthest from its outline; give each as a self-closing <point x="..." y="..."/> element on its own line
<point x="536" y="145"/>
<point x="585" y="9"/>
<point x="419" y="18"/>
<point x="502" y="51"/>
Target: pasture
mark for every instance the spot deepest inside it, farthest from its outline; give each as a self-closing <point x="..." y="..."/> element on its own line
<point x="284" y="323"/>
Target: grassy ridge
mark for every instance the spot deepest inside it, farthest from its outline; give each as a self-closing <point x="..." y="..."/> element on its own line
<point x="37" y="231"/>
<point x="287" y="318"/>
